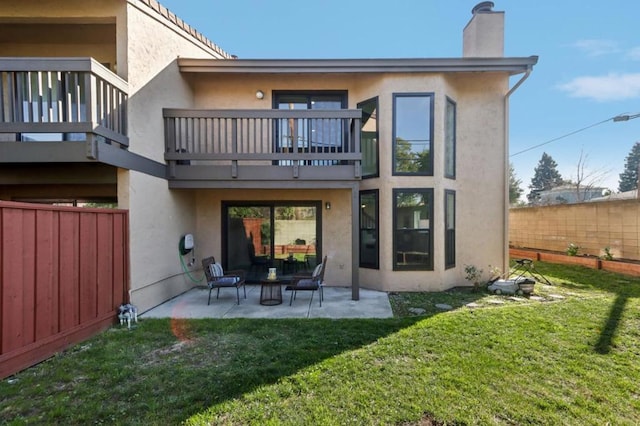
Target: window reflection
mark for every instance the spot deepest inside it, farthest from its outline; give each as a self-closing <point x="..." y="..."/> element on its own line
<point x="413" y="134"/>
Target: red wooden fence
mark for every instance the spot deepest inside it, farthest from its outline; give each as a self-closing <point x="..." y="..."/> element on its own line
<point x="63" y="273"/>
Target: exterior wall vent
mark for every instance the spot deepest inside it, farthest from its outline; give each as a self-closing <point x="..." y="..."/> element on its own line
<point x="485" y="6"/>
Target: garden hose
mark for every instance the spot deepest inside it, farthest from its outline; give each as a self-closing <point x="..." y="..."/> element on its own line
<point x="184" y="267"/>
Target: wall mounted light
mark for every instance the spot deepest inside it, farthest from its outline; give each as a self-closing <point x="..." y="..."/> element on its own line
<point x="259" y="94"/>
<point x="327" y="205"/>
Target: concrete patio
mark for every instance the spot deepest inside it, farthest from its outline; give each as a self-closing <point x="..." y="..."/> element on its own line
<point x="337" y="303"/>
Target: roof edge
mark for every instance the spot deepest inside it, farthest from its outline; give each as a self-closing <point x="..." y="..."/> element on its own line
<point x="170" y="17"/>
<point x="513" y="65"/>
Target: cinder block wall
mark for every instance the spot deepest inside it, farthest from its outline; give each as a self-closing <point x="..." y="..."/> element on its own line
<point x="591" y="226"/>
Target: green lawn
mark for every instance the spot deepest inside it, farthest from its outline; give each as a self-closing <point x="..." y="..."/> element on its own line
<point x="568" y="355"/>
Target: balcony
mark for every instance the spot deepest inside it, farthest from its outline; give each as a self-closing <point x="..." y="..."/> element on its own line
<point x="262" y="148"/>
<point x="60" y="110"/>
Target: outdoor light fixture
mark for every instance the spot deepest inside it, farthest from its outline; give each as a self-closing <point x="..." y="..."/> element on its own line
<point x="625" y="117"/>
<point x="259" y="94"/>
<point x="327" y="205"/>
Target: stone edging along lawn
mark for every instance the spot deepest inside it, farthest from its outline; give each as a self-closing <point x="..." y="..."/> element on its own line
<point x="618" y="266"/>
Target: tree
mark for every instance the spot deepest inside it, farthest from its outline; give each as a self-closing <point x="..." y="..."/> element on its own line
<point x="629" y="177"/>
<point x="514" y="186"/>
<point x="586" y="179"/>
<point x="545" y="177"/>
<point x="409" y="161"/>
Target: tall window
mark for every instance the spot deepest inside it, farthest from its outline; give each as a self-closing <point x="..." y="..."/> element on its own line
<point x="449" y="229"/>
<point x="450" y="139"/>
<point x="369" y="241"/>
<point x="412" y="231"/>
<point x="369" y="137"/>
<point x="413" y="134"/>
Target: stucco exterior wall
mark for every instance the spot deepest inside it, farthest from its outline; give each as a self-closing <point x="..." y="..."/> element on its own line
<point x="480" y="157"/>
<point x="38" y="43"/>
<point x="104" y="53"/>
<point x="482" y="170"/>
<point x="158" y="216"/>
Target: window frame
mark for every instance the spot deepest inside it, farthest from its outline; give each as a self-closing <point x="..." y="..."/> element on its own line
<point x="450" y="144"/>
<point x="377" y="150"/>
<point x="376" y="263"/>
<point x="449" y="252"/>
<point x="431" y="96"/>
<point x="308" y="95"/>
<point x="428" y="266"/>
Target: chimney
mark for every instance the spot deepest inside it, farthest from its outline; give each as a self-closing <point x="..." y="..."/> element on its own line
<point x="484" y="34"/>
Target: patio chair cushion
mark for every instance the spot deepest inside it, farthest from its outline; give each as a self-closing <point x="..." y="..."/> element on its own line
<point x="216" y="270"/>
<point x="305" y="284"/>
<point x="317" y="270"/>
<point x="231" y="280"/>
<point x="218" y="275"/>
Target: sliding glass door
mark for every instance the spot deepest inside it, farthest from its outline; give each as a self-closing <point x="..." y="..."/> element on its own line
<point x="281" y="235"/>
<point x="310" y="135"/>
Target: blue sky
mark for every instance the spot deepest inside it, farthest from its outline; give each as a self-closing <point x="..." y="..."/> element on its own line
<point x="588" y="71"/>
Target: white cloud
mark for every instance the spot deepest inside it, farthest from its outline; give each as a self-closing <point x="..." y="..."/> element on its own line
<point x="611" y="87"/>
<point x="634" y="53"/>
<point x="593" y="47"/>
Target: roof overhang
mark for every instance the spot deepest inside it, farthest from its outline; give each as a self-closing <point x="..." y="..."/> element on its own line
<point x="310" y="66"/>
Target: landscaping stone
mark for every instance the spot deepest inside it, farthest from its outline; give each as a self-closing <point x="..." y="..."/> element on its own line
<point x="444" y="306"/>
<point x="417" y="311"/>
<point x="536" y="298"/>
<point x="556" y="296"/>
<point x="473" y="305"/>
<point x="496" y="301"/>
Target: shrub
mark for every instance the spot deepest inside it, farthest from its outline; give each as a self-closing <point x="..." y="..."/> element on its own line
<point x="607" y="254"/>
<point x="572" y="249"/>
<point x="473" y="275"/>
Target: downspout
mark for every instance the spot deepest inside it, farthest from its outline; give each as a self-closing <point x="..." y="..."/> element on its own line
<point x="505" y="232"/>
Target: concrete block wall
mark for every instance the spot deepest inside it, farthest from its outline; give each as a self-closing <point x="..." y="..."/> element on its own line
<point x="591" y="226"/>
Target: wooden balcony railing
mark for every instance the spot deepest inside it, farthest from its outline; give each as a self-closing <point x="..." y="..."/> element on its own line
<point x="68" y="97"/>
<point x="247" y="144"/>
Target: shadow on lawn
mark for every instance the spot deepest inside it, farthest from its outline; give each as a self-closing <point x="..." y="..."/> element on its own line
<point x="175" y="369"/>
<point x="223" y="360"/>
<point x="581" y="278"/>
<point x="611" y="325"/>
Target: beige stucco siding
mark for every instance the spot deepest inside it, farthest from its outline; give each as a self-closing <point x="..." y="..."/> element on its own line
<point x="158" y="216"/>
<point x="481" y="170"/>
<point x="53" y="28"/>
<point x="480" y="151"/>
<point x="158" y="219"/>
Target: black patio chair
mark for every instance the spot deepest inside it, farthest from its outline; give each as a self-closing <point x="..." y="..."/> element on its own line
<point x="307" y="282"/>
<point x="216" y="278"/>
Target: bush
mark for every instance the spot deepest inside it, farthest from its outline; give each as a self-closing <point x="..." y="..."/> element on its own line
<point x="572" y="250"/>
<point x="607" y="254"/>
<point x="473" y="275"/>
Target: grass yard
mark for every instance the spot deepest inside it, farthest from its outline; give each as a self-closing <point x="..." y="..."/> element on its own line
<point x="568" y="355"/>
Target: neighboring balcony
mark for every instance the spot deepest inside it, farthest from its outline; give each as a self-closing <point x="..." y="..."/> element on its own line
<point x="61" y="110"/>
<point x="252" y="148"/>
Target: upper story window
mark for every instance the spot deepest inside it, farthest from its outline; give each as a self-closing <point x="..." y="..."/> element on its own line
<point x="413" y="134"/>
<point x="369" y="137"/>
<point x="310" y="134"/>
<point x="450" y="139"/>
